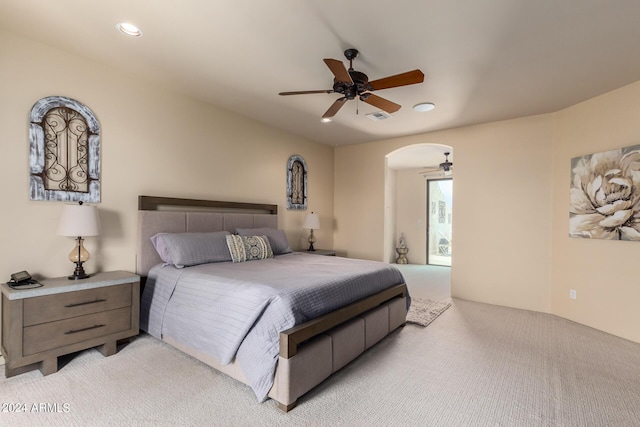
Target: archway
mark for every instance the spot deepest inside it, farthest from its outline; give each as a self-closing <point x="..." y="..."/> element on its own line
<point x="405" y="164"/>
<point x="406" y="209"/>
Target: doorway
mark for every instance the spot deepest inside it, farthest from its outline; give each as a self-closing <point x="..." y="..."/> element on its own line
<point x="439" y="221"/>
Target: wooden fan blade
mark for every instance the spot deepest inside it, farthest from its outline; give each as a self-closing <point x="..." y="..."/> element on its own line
<point x="304" y="92"/>
<point x="335" y="107"/>
<point x="381" y="103"/>
<point x="404" y="79"/>
<point x="339" y="70"/>
<point x="427" y="171"/>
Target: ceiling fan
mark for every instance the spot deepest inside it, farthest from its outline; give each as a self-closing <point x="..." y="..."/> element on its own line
<point x="445" y="167"/>
<point x="351" y="84"/>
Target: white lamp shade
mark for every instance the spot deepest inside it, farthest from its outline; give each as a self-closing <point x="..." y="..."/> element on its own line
<point x="312" y="221"/>
<point x="79" y="220"/>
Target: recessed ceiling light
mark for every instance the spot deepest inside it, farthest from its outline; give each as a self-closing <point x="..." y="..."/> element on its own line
<point x="325" y="120"/>
<point x="129" y="29"/>
<point x="424" y="106"/>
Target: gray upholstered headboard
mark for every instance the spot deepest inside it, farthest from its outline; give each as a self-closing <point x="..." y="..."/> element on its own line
<point x="171" y="215"/>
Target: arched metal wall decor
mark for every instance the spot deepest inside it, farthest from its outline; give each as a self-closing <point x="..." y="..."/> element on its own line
<point x="64" y="151"/>
<point x="296" y="183"/>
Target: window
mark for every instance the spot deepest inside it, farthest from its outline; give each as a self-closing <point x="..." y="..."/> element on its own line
<point x="64" y="138"/>
<point x="439" y="227"/>
<point x="296" y="183"/>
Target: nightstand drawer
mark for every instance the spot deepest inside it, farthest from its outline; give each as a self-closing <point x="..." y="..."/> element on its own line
<point x="52" y="335"/>
<point x="50" y="308"/>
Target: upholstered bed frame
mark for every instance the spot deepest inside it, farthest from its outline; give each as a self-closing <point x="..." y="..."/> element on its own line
<point x="310" y="352"/>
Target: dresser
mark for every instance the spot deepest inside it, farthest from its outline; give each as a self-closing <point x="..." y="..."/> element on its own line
<point x="65" y="316"/>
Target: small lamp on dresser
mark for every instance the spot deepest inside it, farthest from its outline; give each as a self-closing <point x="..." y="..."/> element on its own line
<point x="78" y="221"/>
<point x="311" y="222"/>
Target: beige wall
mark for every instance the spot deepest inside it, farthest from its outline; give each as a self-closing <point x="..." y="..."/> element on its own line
<point x="502" y="207"/>
<point x="390" y="214"/>
<point x="411" y="205"/>
<point x="154" y="142"/>
<point x="604" y="273"/>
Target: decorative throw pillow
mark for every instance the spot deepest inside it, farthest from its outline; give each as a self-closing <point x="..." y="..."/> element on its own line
<point x="247" y="248"/>
<point x="277" y="238"/>
<point x="186" y="249"/>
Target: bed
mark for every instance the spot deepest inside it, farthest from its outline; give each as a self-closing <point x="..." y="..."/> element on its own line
<point x="282" y="324"/>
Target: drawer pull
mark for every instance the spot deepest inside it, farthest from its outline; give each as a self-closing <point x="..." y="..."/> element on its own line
<point x="85" y="303"/>
<point x="75" y="331"/>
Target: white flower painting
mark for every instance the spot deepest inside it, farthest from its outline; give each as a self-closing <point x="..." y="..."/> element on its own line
<point x="605" y="195"/>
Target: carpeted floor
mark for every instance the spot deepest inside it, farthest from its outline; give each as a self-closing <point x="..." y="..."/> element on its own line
<point x="477" y="365"/>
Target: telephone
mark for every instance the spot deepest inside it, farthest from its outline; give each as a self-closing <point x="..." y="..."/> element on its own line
<point x="20" y="276"/>
<point x="23" y="280"/>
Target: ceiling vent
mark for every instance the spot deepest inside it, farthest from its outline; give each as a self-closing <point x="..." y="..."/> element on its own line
<point x="378" y="115"/>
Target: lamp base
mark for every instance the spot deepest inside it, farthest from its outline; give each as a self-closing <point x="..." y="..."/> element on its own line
<point x="311" y="240"/>
<point x="79" y="273"/>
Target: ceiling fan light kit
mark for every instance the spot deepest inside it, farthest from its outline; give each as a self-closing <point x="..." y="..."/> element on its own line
<point x="446" y="165"/>
<point x="354" y="84"/>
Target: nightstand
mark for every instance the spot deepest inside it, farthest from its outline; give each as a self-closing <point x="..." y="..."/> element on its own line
<point x="65" y="316"/>
<point x="325" y="252"/>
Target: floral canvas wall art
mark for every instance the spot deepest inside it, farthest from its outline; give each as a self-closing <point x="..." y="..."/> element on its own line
<point x="605" y="195"/>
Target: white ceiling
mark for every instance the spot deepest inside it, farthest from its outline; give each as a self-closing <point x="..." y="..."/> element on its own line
<point x="483" y="60"/>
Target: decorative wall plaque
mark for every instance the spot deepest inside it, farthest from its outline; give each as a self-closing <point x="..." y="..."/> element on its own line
<point x="64" y="151"/>
<point x="296" y="183"/>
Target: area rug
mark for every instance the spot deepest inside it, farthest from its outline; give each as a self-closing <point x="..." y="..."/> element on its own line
<point x="424" y="311"/>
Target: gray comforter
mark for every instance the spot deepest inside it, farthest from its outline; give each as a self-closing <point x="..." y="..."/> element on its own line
<point x="237" y="310"/>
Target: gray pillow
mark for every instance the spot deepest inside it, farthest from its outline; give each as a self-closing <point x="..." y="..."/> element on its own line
<point x="186" y="249"/>
<point x="277" y="238"/>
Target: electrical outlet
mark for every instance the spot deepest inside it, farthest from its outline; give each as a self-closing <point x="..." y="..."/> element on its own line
<point x="572" y="294"/>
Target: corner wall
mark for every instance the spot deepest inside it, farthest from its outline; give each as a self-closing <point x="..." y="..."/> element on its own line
<point x="603" y="272"/>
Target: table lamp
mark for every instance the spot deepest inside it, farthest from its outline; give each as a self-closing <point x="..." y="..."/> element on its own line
<point x="78" y="221"/>
<point x="312" y="222"/>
